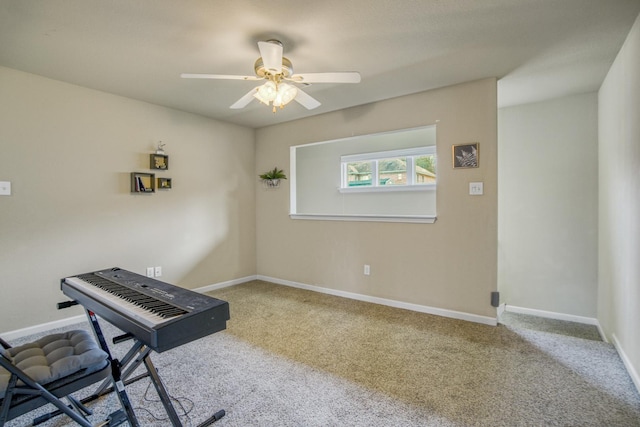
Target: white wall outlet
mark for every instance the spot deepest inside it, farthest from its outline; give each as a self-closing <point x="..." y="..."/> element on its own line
<point x="158" y="271"/>
<point x="149" y="271"/>
<point x="367" y="269"/>
<point x="5" y="188"/>
<point x="476" y="188"/>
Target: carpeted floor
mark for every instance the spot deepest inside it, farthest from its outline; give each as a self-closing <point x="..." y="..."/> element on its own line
<point x="572" y="329"/>
<point x="292" y="357"/>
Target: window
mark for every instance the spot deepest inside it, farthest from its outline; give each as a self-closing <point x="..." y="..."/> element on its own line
<point x="370" y="177"/>
<point x="408" y="169"/>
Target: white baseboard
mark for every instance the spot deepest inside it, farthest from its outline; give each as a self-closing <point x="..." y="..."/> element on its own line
<point x="627" y="363"/>
<point x="588" y="321"/>
<point x="43" y="327"/>
<point x="602" y="334"/>
<point x="226" y="284"/>
<point x="360" y="297"/>
<point x="491" y="321"/>
<point x="19" y="333"/>
<point x="501" y="309"/>
<point x="552" y="315"/>
<point x="558" y="316"/>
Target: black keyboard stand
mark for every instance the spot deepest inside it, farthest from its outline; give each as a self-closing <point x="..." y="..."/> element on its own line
<point x="138" y="354"/>
<point x="118" y="417"/>
<point x="115" y="370"/>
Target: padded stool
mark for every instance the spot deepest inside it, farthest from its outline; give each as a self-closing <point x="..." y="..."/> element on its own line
<point x="48" y="369"/>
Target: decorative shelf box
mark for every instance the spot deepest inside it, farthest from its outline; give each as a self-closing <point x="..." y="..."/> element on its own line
<point x="142" y="182"/>
<point x="158" y="161"/>
<point x="164" y="183"/>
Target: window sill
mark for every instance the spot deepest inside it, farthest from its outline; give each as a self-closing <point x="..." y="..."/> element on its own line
<point x="421" y="219"/>
<point x="385" y="188"/>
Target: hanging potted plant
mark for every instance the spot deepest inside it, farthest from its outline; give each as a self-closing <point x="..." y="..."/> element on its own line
<point x="272" y="178"/>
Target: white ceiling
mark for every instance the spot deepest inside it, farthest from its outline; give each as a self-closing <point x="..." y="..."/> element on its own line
<point x="539" y="49"/>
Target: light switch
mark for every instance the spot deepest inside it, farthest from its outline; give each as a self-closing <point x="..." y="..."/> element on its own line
<point x="476" y="188"/>
<point x="5" y="188"/>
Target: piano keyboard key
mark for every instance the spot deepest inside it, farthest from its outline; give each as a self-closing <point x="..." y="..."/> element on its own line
<point x="146" y="309"/>
<point x="160" y="308"/>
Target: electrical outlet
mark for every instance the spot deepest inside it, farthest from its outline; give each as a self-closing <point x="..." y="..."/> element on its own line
<point x="149" y="271"/>
<point x="367" y="269"/>
<point x="158" y="271"/>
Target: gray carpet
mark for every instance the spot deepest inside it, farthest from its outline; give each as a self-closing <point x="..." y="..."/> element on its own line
<point x="519" y="321"/>
<point x="297" y="358"/>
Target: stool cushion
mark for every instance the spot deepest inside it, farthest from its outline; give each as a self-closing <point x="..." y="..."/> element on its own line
<point x="54" y="356"/>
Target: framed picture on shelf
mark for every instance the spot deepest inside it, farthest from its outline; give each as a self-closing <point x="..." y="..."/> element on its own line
<point x="465" y="155"/>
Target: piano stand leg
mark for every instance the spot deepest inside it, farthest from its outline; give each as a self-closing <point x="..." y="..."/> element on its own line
<point x="137" y="354"/>
<point x="162" y="392"/>
<point x="166" y="399"/>
<point x="130" y="361"/>
<point x="215" y="417"/>
<point x="118" y="385"/>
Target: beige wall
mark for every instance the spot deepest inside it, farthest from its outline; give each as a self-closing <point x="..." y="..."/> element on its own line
<point x="548" y="205"/>
<point x="619" y="213"/>
<point x="68" y="152"/>
<point x="450" y="264"/>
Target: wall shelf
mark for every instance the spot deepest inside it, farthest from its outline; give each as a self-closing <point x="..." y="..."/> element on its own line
<point x="142" y="182"/>
<point x="164" y="183"/>
<point x="158" y="161"/>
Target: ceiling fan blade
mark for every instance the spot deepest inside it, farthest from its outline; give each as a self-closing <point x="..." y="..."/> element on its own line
<point x="339" y="77"/>
<point x="271" y="53"/>
<point x="245" y="100"/>
<point x="306" y="100"/>
<point x="218" y="76"/>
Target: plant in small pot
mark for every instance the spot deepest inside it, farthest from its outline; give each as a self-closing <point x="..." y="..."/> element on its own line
<point x="272" y="178"/>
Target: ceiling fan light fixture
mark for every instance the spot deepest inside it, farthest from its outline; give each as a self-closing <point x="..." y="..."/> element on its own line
<point x="276" y="95"/>
<point x="285" y="94"/>
<point x="267" y="92"/>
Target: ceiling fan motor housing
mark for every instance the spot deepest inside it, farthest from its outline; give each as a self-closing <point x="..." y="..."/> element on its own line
<point x="261" y="71"/>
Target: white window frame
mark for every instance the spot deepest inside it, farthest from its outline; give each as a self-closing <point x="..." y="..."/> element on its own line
<point x="409" y="153"/>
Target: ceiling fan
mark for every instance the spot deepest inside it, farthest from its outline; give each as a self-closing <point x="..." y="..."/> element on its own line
<point x="279" y="88"/>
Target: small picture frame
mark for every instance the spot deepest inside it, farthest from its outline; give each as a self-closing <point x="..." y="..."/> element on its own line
<point x="466" y="155"/>
<point x="159" y="161"/>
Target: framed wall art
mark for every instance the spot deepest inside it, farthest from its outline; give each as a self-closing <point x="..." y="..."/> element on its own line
<point x="465" y="155"/>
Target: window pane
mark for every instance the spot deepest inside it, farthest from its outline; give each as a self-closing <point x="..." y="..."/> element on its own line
<point x="359" y="174"/>
<point x="393" y="171"/>
<point x="426" y="169"/>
